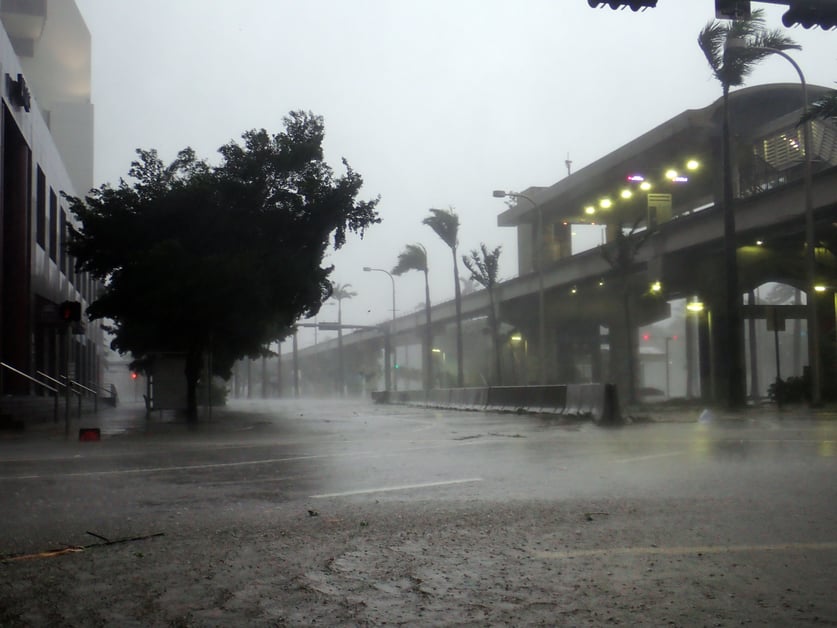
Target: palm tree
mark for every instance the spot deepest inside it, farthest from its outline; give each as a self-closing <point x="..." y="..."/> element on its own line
<point x="822" y="109"/>
<point x="484" y="266"/>
<point x="731" y="65"/>
<point x="445" y="222"/>
<point x="338" y="293"/>
<point x="414" y="257"/>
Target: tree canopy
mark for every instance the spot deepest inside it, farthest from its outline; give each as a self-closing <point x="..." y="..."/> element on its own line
<point x="228" y="257"/>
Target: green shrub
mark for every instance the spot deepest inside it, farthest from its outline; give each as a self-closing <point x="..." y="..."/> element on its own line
<point x="219" y="393"/>
<point x="790" y="390"/>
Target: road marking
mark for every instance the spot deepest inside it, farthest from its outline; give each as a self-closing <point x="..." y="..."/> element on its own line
<point x="223" y="465"/>
<point x="669" y="454"/>
<point x="402" y="487"/>
<point x="679" y="551"/>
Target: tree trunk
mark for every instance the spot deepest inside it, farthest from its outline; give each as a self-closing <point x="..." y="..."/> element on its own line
<point x="495" y="340"/>
<point x="460" y="366"/>
<point x="193" y="373"/>
<point x="630" y="358"/>
<point x="731" y="330"/>
<point x="428" y="337"/>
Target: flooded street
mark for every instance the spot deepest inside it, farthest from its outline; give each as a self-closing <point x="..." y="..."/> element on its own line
<point x="344" y="513"/>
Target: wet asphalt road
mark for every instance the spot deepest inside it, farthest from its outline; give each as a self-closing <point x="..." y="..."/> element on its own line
<point x="753" y="498"/>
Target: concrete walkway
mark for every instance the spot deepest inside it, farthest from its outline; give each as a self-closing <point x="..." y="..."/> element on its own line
<point x="130" y="418"/>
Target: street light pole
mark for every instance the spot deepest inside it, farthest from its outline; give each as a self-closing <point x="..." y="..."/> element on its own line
<point x="541" y="372"/>
<point x="810" y="233"/>
<point x="394" y="373"/>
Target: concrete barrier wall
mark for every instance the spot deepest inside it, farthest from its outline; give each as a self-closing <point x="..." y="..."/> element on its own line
<point x="597" y="401"/>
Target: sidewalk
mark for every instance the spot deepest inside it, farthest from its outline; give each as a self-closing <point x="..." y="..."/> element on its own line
<point x="699" y="413"/>
<point x="129" y="419"/>
<point x="122" y="420"/>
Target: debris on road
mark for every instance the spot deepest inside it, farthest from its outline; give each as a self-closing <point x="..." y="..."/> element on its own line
<point x="74" y="549"/>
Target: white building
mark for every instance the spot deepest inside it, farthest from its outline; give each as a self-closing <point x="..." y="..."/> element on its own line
<point x="46" y="150"/>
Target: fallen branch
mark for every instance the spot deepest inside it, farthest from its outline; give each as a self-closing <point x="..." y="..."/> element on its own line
<point x="75" y="549"/>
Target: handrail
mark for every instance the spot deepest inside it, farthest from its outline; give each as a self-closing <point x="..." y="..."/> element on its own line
<point x="29" y="377"/>
<point x="78" y="393"/>
<point x="35" y="381"/>
<point x="82" y="386"/>
<point x="101" y="389"/>
<point x="91" y="391"/>
<point x="57" y="382"/>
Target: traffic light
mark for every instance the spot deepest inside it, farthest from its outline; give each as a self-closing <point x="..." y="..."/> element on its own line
<point x="732" y="9"/>
<point x="808" y="13"/>
<point x="635" y="5"/>
<point x="69" y="312"/>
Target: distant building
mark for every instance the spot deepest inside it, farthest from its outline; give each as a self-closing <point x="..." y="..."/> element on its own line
<point x="46" y="149"/>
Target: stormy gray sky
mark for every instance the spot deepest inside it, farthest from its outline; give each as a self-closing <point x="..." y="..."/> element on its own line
<point x="435" y="102"/>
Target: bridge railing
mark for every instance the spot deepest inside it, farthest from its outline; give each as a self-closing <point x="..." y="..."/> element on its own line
<point x="598" y="402"/>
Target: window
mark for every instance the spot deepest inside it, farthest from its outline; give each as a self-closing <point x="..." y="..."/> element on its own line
<point x="62" y="240"/>
<point x="40" y="216"/>
<point x="53" y="225"/>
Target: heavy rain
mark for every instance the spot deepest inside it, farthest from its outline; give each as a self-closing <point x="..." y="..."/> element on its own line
<point x="423" y="313"/>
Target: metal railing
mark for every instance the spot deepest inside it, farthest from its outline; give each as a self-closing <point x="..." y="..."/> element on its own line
<point x="35" y="381"/>
<point x="90" y="390"/>
<point x="76" y="388"/>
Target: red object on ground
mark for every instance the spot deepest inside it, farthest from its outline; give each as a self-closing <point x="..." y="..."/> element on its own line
<point x="89" y="434"/>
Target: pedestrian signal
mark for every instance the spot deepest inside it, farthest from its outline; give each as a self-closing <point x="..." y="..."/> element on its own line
<point x="69" y="312"/>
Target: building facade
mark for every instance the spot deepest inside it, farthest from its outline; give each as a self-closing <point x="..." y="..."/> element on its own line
<point x="46" y="152"/>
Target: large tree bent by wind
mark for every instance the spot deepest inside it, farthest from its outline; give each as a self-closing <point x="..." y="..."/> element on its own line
<point x="223" y="258"/>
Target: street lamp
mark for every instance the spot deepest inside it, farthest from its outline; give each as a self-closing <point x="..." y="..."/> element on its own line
<point x="368" y="269"/>
<point x="541" y="379"/>
<point x="810" y="235"/>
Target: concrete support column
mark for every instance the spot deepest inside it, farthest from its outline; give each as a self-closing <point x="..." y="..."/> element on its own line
<point x="708" y="390"/>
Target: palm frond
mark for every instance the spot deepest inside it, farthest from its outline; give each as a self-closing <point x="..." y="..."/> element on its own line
<point x="413" y="257"/>
<point x="340" y="291"/>
<point x="445" y="222"/>
<point x="822" y="109"/>
<point x="483" y="265"/>
<point x="732" y="65"/>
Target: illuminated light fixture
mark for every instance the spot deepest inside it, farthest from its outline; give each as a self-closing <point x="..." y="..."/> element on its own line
<point x="516" y="338"/>
<point x="626" y="194"/>
<point x="692" y="164"/>
<point x="601" y="282"/>
<point x="680" y="179"/>
<point x="819" y="288"/>
<point x="671" y="174"/>
<point x="605" y="203"/>
<point x="759" y="242"/>
<point x="574" y="290"/>
<point x="645" y="186"/>
<point x="589" y="210"/>
<point x="695" y="306"/>
<point x="656" y="287"/>
<point x="434" y="350"/>
<point x="635" y="178"/>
